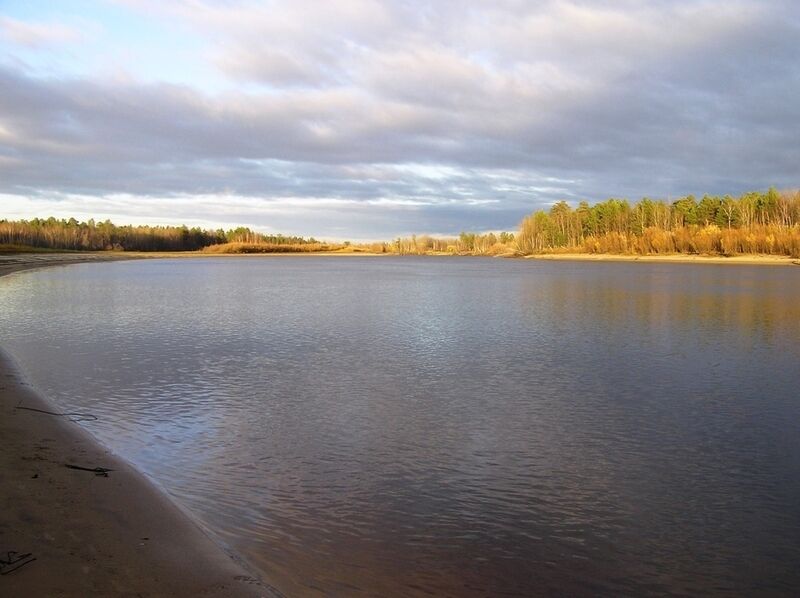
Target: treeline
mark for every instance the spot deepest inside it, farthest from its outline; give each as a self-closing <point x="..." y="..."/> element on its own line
<point x="755" y="222"/>
<point x="52" y="233"/>
<point x="247" y="236"/>
<point x="269" y="247"/>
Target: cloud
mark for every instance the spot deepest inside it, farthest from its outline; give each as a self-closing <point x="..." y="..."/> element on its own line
<point x="37" y="35"/>
<point x="422" y="116"/>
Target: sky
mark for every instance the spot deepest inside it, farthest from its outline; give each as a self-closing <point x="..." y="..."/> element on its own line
<point x="369" y="119"/>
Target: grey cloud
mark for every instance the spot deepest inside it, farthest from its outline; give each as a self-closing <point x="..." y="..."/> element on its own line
<point x="474" y="117"/>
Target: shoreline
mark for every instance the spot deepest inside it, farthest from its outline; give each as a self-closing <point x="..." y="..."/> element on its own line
<point x="17" y="262"/>
<point x="674" y="258"/>
<point x="87" y="534"/>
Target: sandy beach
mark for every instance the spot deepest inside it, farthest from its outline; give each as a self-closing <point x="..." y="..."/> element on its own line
<point x="765" y="260"/>
<point x="17" y="262"/>
<point x="71" y="532"/>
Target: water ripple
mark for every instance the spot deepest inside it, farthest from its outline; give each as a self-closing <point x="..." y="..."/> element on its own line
<point x="447" y="427"/>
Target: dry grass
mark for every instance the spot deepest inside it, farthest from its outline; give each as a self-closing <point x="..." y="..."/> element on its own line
<point x="269" y="248"/>
<point x="608" y="243"/>
<point x="695" y="240"/>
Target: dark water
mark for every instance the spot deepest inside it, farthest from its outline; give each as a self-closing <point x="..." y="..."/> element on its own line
<point x="459" y="427"/>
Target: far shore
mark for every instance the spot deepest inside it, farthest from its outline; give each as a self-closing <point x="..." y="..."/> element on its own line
<point x="15" y="262"/>
<point x="66" y="531"/>
<point x="675" y="258"/>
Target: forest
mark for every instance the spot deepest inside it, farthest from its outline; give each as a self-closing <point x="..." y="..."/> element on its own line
<point x="753" y="223"/>
<point x="71" y="235"/>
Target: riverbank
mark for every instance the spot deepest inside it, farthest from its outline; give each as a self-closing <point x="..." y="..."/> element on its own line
<point x="17" y="262"/>
<point x="768" y="260"/>
<point x="86" y="534"/>
<point x="24" y="261"/>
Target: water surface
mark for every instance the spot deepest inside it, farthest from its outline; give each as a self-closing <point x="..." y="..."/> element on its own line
<point x="453" y="427"/>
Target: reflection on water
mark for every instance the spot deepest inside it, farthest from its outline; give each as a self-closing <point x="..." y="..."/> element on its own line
<point x="463" y="427"/>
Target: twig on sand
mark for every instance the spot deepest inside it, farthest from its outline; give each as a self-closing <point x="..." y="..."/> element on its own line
<point x="76" y="417"/>
<point x="98" y="471"/>
<point x="14" y="560"/>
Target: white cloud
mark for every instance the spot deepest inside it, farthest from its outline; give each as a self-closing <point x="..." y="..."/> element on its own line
<point x="37" y="35"/>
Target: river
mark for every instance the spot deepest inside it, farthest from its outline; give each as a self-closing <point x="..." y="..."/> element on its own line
<point x="407" y="426"/>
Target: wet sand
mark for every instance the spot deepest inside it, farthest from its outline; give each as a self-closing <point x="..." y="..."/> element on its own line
<point x="17" y="262"/>
<point x="92" y="535"/>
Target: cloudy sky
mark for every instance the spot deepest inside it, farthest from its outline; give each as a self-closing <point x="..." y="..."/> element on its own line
<point x="368" y="119"/>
